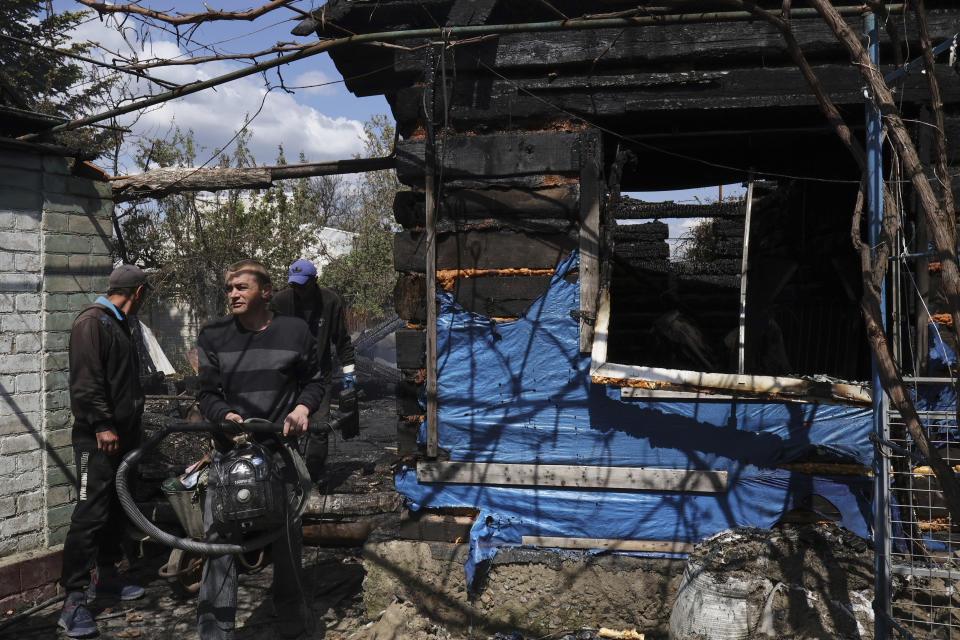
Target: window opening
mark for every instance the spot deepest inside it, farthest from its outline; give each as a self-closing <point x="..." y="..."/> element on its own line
<point x="674" y="295"/>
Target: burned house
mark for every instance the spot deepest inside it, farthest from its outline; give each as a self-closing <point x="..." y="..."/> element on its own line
<point x="568" y="383"/>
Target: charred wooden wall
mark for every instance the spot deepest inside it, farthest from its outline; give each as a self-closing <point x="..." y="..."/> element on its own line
<point x="517" y="119"/>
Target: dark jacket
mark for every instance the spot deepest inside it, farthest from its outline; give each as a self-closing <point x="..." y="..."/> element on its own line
<point x="325" y="320"/>
<point x="105" y="390"/>
<point x="257" y="374"/>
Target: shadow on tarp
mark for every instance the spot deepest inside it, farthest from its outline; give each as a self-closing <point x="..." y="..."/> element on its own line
<point x="520" y="392"/>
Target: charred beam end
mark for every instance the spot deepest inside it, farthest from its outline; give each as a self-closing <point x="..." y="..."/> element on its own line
<point x="158" y="183"/>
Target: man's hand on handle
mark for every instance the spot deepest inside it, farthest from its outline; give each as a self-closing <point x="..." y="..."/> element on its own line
<point x="295" y="423"/>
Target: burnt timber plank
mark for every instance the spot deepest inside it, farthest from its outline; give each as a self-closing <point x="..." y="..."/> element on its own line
<point x="536" y="226"/>
<point x="558" y="202"/>
<point x="477" y="104"/>
<point x="572" y="476"/>
<point x="411" y="348"/>
<point x="409" y="299"/>
<point x="632" y="209"/>
<point x="407" y="428"/>
<point x="591" y="197"/>
<point x="645" y="232"/>
<point x="482" y="250"/>
<point x="496" y="297"/>
<point x="350" y="504"/>
<point x="509" y="154"/>
<point x="408" y="398"/>
<point x="737" y="43"/>
<point x="469" y="12"/>
<point x="645" y="250"/>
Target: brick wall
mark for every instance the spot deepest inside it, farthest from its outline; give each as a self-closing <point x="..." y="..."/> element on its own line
<point x="54" y="258"/>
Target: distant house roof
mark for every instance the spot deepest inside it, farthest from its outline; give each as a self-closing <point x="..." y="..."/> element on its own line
<point x="328" y="244"/>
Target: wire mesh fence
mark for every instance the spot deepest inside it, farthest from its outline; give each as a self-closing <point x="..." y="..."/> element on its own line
<point x="925" y="541"/>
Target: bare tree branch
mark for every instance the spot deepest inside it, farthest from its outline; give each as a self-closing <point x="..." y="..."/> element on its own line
<point x="170" y="62"/>
<point x="187" y="18"/>
<point x="936" y="107"/>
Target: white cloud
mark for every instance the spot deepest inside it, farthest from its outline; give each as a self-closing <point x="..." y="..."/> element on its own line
<point x="215" y="115"/>
<point x="310" y="79"/>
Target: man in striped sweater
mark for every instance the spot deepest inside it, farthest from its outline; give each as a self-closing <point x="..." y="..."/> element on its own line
<point x="255" y="364"/>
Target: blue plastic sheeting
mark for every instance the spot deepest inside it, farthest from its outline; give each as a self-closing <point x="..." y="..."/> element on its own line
<point x="507" y="514"/>
<point x="940" y="355"/>
<point x="520" y="392"/>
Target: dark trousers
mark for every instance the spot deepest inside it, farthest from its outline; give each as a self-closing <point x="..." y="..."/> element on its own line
<point x="217" y="603"/>
<point x="98" y="521"/>
<point x="314" y="447"/>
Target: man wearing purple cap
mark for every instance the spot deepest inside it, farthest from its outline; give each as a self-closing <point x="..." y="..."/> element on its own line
<point x="322" y="308"/>
<point x="107" y="402"/>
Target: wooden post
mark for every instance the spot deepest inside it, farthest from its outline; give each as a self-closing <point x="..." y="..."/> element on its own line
<point x="430" y="268"/>
<point x="744" y="266"/>
<point x="590" y="196"/>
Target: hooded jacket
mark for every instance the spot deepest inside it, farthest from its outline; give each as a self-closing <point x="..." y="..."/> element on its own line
<point x="105" y="391"/>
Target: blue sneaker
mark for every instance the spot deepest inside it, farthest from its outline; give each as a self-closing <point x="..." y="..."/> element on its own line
<point x="108" y="583"/>
<point x="76" y="619"/>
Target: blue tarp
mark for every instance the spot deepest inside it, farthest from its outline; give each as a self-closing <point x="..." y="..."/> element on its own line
<point x="520" y="392"/>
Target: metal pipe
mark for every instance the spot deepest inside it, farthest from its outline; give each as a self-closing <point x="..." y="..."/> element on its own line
<point x="430" y="266"/>
<point x="916" y="62"/>
<point x="881" y="463"/>
<point x="445" y="32"/>
<point x="744" y="266"/>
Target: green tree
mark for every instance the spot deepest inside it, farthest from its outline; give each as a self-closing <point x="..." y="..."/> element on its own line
<point x="191" y="238"/>
<point x="40" y="80"/>
<point x="365" y="276"/>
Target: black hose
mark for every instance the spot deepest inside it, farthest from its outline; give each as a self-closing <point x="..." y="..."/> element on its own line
<point x="161" y="536"/>
<point x="212" y="548"/>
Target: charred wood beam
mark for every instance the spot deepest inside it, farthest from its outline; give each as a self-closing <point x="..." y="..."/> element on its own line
<point x="733" y="44"/>
<point x="478" y="103"/>
<point x="558" y="202"/>
<point x="409" y="396"/>
<point x="643" y="250"/>
<point x="632" y="209"/>
<point x="411" y="348"/>
<point x="477" y="157"/>
<point x="158" y="183"/>
<point x="482" y="250"/>
<point x="648" y="232"/>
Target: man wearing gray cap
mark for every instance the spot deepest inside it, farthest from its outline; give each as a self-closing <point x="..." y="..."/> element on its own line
<point x="107" y="402"/>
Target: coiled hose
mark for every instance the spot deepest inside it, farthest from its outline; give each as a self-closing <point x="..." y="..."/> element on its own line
<point x="189" y="544"/>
